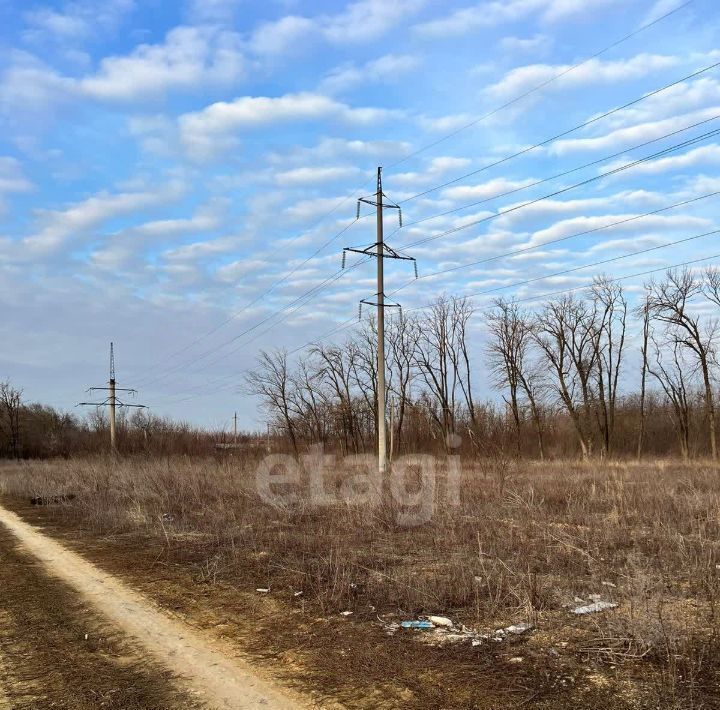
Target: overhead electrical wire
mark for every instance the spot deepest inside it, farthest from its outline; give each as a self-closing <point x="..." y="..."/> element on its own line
<point x="564" y="173"/>
<point x="531" y="298"/>
<point x="595" y="178"/>
<point x="422" y="149"/>
<point x="565" y="238"/>
<point x="540" y="86"/>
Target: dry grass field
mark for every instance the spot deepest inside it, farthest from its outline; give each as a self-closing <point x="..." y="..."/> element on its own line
<point x="525" y="544"/>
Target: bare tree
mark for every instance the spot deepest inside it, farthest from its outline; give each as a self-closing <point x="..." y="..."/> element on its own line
<point x="273" y="383"/>
<point x="509" y="353"/>
<point x="644" y="312"/>
<point x="674" y="379"/>
<point x="609" y="328"/>
<point x="338" y="363"/>
<point x="565" y="332"/>
<point x="310" y="399"/>
<point x="670" y="301"/>
<point x="402" y="340"/>
<point x="10" y="406"/>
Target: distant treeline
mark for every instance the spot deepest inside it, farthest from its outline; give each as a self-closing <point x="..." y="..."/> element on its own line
<point x="38" y="431"/>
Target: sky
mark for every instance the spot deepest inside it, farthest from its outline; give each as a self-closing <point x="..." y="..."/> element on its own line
<point x="175" y="176"/>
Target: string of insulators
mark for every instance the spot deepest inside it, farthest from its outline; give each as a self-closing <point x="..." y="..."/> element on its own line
<point x="343" y="260"/>
<point x="357" y="216"/>
<point x="414" y="266"/>
<point x="360" y="311"/>
<point x="400" y="215"/>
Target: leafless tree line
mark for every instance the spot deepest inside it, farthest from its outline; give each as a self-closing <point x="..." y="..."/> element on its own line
<point x="559" y="370"/>
<point x="31" y="430"/>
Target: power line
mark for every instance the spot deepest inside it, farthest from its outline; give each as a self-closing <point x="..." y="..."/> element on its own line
<point x="567" y="237"/>
<point x="207" y="353"/>
<point x="564" y="133"/>
<point x="353" y="321"/>
<point x="564" y="272"/>
<point x="564" y="173"/>
<point x="540" y="86"/>
<point x="595" y="178"/>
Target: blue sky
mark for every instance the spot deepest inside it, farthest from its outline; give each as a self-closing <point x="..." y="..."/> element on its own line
<point x="163" y="164"/>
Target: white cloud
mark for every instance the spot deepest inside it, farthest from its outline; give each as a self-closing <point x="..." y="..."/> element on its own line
<point x="360" y="21"/>
<point x="538" y="44"/>
<point x="384" y="69"/>
<point x="485" y="190"/>
<point x="313" y="175"/>
<point x="206" y="132"/>
<point x="12" y="178"/>
<point x="446" y="123"/>
<point x="190" y="57"/>
<point x="199" y="250"/>
<point x="676" y="100"/>
<point x="368" y="19"/>
<point x="704" y="155"/>
<point x="57" y="226"/>
<point x="595" y="71"/>
<point x="77" y="21"/>
<point x="641" y="132"/>
<point x="491" y="14"/>
<point x="583" y="223"/>
<point x="242" y="267"/>
<point x="660" y="8"/>
<point x="29" y="87"/>
<point x="283" y="34"/>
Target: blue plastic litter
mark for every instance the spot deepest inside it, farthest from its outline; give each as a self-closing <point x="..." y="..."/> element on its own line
<point x="417" y="625"/>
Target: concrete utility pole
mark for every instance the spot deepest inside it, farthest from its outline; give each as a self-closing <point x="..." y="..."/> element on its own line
<point x="381" y="251"/>
<point x="382" y="438"/>
<point x="112" y="402"/>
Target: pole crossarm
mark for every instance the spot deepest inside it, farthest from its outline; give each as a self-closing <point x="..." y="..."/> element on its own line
<point x="388" y="252"/>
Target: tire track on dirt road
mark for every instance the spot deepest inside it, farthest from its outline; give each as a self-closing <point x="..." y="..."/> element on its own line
<point x="221" y="681"/>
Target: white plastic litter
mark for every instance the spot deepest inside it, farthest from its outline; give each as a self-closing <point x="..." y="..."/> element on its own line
<point x="263" y="590"/>
<point x="440" y="621"/>
<point x="593" y="608"/>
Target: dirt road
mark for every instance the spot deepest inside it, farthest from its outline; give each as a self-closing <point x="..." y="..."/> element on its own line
<point x="33" y="657"/>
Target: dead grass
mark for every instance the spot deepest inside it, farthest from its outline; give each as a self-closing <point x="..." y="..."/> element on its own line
<point x="525" y="541"/>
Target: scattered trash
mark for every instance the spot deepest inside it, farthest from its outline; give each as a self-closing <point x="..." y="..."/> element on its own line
<point x="444" y="631"/>
<point x="417" y="624"/>
<point x="594" y="607"/>
<point x="167" y="518"/>
<point x="440" y="621"/>
<point x="263" y="590"/>
<point x="86" y="637"/>
<point x="298" y="594"/>
<point x="52" y="500"/>
<point x="579" y="600"/>
<point x="609" y="584"/>
<point x="345" y="613"/>
<point x="514" y="629"/>
<point x="516" y="659"/>
<point x="594" y="597"/>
